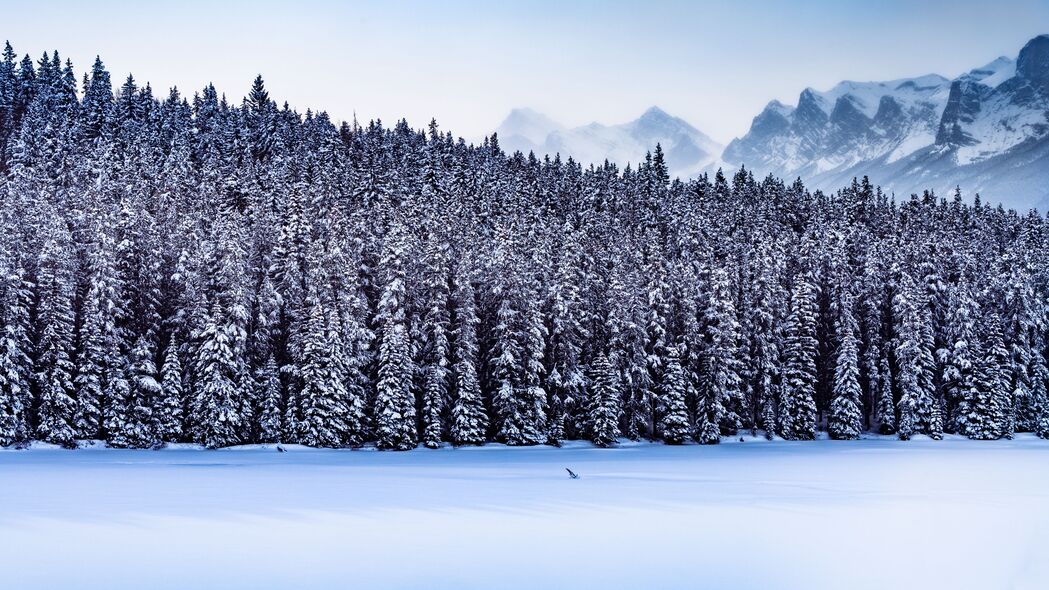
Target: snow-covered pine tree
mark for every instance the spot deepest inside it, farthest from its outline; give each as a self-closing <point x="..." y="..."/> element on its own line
<point x="216" y="406"/>
<point x="603" y="417"/>
<point x="506" y="357"/>
<point x="167" y="409"/>
<point x="846" y="419"/>
<point x="531" y="394"/>
<point x="886" y="409"/>
<point x="764" y="337"/>
<point x="720" y="401"/>
<point x="15" y="366"/>
<point x="989" y="403"/>
<point x="1019" y="328"/>
<point x="656" y="343"/>
<point x="351" y="336"/>
<point x="54" y="324"/>
<point x="435" y="369"/>
<point x="797" y="407"/>
<point x="270" y="394"/>
<point x="135" y="428"/>
<point x="962" y="347"/>
<point x="103" y="344"/>
<point x="1040" y="396"/>
<point x="919" y="410"/>
<point x="566" y="381"/>
<point x="674" y="426"/>
<point x="469" y="420"/>
<point x="394" y="401"/>
<point x="323" y="385"/>
<point x="627" y="338"/>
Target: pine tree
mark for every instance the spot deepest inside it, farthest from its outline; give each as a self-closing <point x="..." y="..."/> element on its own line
<point x="963" y="346"/>
<point x="797" y="406"/>
<point x="846" y="420"/>
<point x="919" y="411"/>
<point x="507" y="356"/>
<point x="533" y="397"/>
<point x="167" y="409"/>
<point x="644" y="408"/>
<point x="103" y="342"/>
<point x="469" y="420"/>
<point x="566" y="380"/>
<point x="136" y="429"/>
<point x="674" y="426"/>
<point x="15" y="366"/>
<point x="435" y="380"/>
<point x="720" y="390"/>
<point x="886" y="410"/>
<point x="324" y="390"/>
<point x="394" y="403"/>
<point x="1040" y="394"/>
<point x="216" y="406"/>
<point x="269" y="395"/>
<point x="988" y="403"/>
<point x="603" y="418"/>
<point x="54" y="319"/>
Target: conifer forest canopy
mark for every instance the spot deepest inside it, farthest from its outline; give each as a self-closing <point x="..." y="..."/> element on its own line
<point x="179" y="268"/>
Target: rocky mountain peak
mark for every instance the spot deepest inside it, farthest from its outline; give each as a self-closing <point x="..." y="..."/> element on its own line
<point x="1033" y="62"/>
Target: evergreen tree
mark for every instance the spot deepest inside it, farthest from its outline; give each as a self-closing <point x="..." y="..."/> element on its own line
<point x="435" y="380"/>
<point x="469" y="420"/>
<point x="961" y="365"/>
<point x="167" y="409"/>
<point x="797" y="405"/>
<point x="135" y="428"/>
<point x="324" y="390"/>
<point x="270" y="394"/>
<point x="988" y="403"/>
<point x="886" y="410"/>
<point x="846" y="421"/>
<point x="15" y="366"/>
<point x="674" y="426"/>
<point x="919" y="411"/>
<point x="721" y="398"/>
<point x="394" y="402"/>
<point x="603" y="419"/>
<point x="216" y="408"/>
<point x="54" y="320"/>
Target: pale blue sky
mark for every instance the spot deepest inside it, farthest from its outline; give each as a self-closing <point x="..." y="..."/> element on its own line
<point x="715" y="63"/>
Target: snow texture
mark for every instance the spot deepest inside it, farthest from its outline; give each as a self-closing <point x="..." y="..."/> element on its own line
<point x="876" y="513"/>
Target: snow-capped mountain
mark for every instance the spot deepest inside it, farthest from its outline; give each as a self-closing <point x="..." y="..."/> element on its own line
<point x="986" y="131"/>
<point x="526" y="130"/>
<point x="687" y="149"/>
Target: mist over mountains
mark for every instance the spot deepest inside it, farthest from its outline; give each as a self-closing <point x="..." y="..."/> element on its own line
<point x="986" y="131"/>
<point x="688" y="150"/>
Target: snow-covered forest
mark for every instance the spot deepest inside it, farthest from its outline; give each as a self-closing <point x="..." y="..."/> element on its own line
<point x="219" y="271"/>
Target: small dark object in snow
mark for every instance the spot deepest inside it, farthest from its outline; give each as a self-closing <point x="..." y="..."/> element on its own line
<point x="741" y="439"/>
<point x="572" y="474"/>
<point x="280" y="449"/>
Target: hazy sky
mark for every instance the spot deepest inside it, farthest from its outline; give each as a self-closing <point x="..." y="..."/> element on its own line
<point x="467" y="63"/>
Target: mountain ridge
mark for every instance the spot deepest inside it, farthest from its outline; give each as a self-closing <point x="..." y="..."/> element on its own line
<point x="688" y="150"/>
<point x="986" y="130"/>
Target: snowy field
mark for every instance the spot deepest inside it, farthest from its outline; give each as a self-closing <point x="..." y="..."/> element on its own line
<point x="864" y="514"/>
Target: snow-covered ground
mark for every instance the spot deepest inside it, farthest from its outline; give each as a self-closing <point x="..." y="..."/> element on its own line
<point x="864" y="514"/>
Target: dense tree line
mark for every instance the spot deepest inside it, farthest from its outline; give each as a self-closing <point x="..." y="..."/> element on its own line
<point x="191" y="269"/>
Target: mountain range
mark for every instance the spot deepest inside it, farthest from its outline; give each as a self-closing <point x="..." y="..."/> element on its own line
<point x="688" y="150"/>
<point x="986" y="131"/>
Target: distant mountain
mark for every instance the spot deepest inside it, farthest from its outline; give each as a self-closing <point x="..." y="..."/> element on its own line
<point x="526" y="130"/>
<point x="987" y="131"/>
<point x="687" y="149"/>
